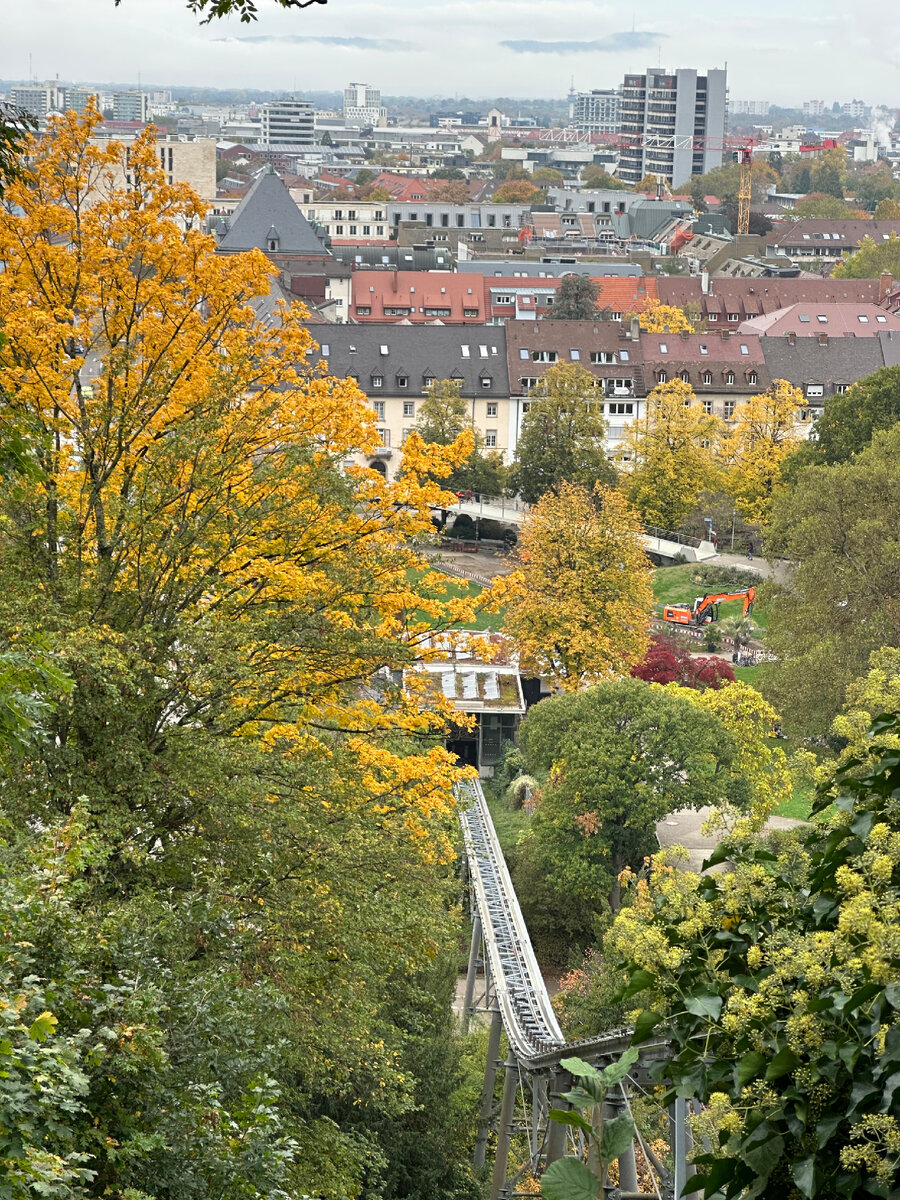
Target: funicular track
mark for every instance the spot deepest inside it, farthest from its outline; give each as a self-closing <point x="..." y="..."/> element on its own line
<point x="516" y="994"/>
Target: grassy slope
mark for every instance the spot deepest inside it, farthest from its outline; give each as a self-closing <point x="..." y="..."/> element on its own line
<point x="462" y="588"/>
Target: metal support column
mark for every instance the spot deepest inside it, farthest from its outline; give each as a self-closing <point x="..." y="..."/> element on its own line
<point x="616" y="1104"/>
<point x="504" y="1126"/>
<point x="487" y="1091"/>
<point x="471" y="972"/>
<point x="539" y="1111"/>
<point x="678" y="1128"/>
<point x="556" y="1133"/>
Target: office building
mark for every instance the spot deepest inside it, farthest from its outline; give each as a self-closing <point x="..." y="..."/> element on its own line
<point x="362" y="106"/>
<point x="288" y="122"/>
<point x="75" y="99"/>
<point x="813" y="108"/>
<point x="131" y="106"/>
<point x="750" y="108"/>
<point x="670" y="116"/>
<point x="37" y="99"/>
<point x="595" y="111"/>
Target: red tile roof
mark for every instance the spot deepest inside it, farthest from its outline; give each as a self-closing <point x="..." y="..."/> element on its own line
<point x="417" y="296"/>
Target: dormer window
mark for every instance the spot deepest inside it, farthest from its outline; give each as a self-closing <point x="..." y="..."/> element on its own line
<point x="661" y="377"/>
<point x="753" y="379"/>
<point x="685" y="377"/>
<point x="729" y="377"/>
<point x="707" y="378"/>
<point x="402" y="381"/>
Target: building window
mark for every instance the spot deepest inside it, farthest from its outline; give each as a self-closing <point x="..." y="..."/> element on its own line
<point x="704" y="349"/>
<point x="840" y="388"/>
<point x="734" y="317"/>
<point x="406" y="433"/>
<point x="491" y="409"/>
<point x="662" y="377"/>
<point x="753" y="379"/>
<point x="528" y="382"/>
<point x="620" y="408"/>
<point x="367" y="229"/>
<point x="470" y="312"/>
<point x="378" y="405"/>
<point x="624" y="355"/>
<point x="707" y="378"/>
<point x="575" y="355"/>
<point x="815" y="389"/>
<point x="707" y="407"/>
<point x="363" y="310"/>
<point x="486" y="382"/>
<point x="402" y="381"/>
<point x="523" y="353"/>
<point x="338" y="229"/>
<point x="544" y="356"/>
<point x="603" y="356"/>
<point x="384" y="437"/>
<point x="729" y="409"/>
<point x="685" y="377"/>
<point x="430" y="381"/>
<point x="503" y="299"/>
<point x="729" y="377"/>
<point x="712" y="317"/>
<point x="490" y="438"/>
<point x="409" y="408"/>
<point x="353" y="230"/>
<point x="377" y="381"/>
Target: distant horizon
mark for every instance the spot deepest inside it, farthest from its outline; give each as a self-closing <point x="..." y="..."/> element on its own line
<point x="520" y="49"/>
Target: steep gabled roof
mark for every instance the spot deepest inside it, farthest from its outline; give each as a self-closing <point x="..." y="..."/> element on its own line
<point x="267" y="206"/>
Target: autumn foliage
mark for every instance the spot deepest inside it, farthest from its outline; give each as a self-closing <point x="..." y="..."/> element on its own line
<point x="666" y="661"/>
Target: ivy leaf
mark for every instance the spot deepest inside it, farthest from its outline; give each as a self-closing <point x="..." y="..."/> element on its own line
<point x="569" y="1179"/>
<point x="704" y="1006"/>
<point x="645" y="1024"/>
<point x="804" y="1173"/>
<point x="639" y="980"/>
<point x="577" y="1066"/>
<point x="783" y="1062"/>
<point x="749" y="1067"/>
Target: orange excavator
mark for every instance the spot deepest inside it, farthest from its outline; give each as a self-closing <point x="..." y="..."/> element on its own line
<point x="706" y="608"/>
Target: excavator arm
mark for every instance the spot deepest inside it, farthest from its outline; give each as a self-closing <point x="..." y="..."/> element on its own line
<point x="706" y="608"/>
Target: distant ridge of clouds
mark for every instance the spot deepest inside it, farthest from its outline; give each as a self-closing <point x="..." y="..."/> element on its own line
<point x="627" y="40"/>
<point x="390" y="45"/>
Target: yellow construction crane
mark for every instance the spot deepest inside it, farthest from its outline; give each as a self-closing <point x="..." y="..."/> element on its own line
<point x="744" y="157"/>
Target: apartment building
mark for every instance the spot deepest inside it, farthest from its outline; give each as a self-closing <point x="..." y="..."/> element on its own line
<point x="350" y="220"/>
<point x="362" y="106"/>
<point x="39" y="99"/>
<point x="395" y="365"/>
<point x="665" y="112"/>
<point x="417" y="297"/>
<point x="131" y="106"/>
<point x="288" y="122"/>
<point x="193" y="163"/>
<point x="723" y="368"/>
<point x="826" y="240"/>
<point x="596" y="111"/>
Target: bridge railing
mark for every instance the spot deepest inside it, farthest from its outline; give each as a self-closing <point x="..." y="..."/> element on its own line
<point x="505" y="504"/>
<point x="669" y="535"/>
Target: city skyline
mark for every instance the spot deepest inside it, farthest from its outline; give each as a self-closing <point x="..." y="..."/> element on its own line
<point x="487" y="50"/>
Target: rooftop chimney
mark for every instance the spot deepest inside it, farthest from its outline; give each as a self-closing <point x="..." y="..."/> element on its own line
<point x="823" y="339"/>
<point x="885" y="284"/>
<point x="792" y="338"/>
<point x="704" y="282"/>
<point x="635" y="329"/>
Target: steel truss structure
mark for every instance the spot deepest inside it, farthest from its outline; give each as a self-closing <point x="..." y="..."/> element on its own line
<point x="516" y="997"/>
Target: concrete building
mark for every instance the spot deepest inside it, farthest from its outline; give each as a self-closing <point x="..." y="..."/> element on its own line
<point x="350" y="220"/>
<point x="665" y="112"/>
<point x="37" y="98"/>
<point x="288" y="122"/>
<point x="362" y="106"/>
<point x="750" y="108"/>
<point x="131" y="106"/>
<point x="595" y="111"/>
<point x="75" y="99"/>
<point x="813" y="108"/>
<point x="193" y="163"/>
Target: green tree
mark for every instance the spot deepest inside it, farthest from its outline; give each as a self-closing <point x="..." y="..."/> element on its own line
<point x="516" y="191"/>
<point x="849" y="422"/>
<point x="596" y="178"/>
<point x="776" y="986"/>
<point x="871" y="260"/>
<point x="548" y="175"/>
<point x="576" y="299"/>
<point x="563" y="434"/>
<point x="612" y="761"/>
<point x="246" y="10"/>
<point x="839" y="524"/>
<point x="363" y="177"/>
<point x="821" y="204"/>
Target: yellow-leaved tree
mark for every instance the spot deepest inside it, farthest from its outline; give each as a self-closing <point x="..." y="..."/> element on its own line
<point x="664" y="318"/>
<point x="579" y="607"/>
<point x="671" y="451"/>
<point x="191" y="491"/>
<point x="766" y="429"/>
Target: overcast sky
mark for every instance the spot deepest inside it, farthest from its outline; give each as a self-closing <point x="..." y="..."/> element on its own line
<point x="785" y="51"/>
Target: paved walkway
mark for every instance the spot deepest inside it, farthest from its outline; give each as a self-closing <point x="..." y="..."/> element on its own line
<point x="683" y="828"/>
<point x="778" y="569"/>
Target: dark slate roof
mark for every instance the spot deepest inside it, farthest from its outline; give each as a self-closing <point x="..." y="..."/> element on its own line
<point x="840" y="361"/>
<point x="266" y="210"/>
<point x="402" y="258"/>
<point x="890" y="348"/>
<point x="416" y="352"/>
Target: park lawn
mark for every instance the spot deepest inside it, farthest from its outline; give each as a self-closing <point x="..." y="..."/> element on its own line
<point x="509" y="822"/>
<point x="466" y="589"/>
<point x="747" y="675"/>
<point x="674" y="585"/>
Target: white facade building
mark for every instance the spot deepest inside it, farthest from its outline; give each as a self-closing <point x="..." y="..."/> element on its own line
<point x="288" y="122"/>
<point x="362" y="106"/>
<point x="595" y="111"/>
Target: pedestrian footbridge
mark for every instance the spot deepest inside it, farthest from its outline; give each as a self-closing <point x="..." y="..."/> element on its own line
<point x="662" y="545"/>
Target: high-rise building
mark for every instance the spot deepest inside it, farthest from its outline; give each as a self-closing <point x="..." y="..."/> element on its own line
<point x="813" y="108"/>
<point x="37" y="98"/>
<point x="750" y="108"/>
<point x="131" y="106"/>
<point x="668" y="113"/>
<point x="595" y="111"/>
<point x="288" y="122"/>
<point x="75" y="99"/>
<point x="856" y="108"/>
<point x="362" y="106"/>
